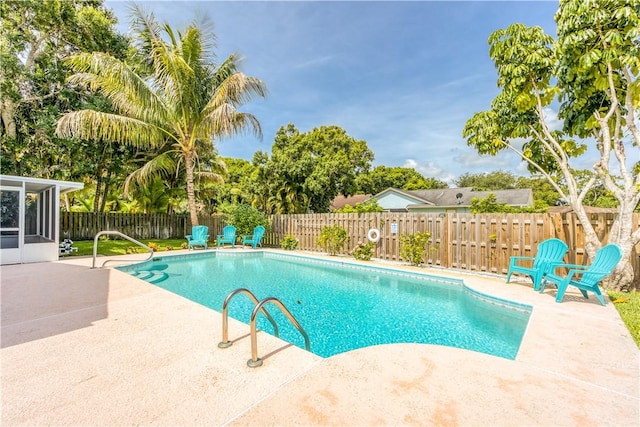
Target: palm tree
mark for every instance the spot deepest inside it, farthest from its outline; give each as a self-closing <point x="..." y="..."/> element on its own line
<point x="176" y="95"/>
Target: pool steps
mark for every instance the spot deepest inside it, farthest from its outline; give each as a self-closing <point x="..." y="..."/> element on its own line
<point x="153" y="274"/>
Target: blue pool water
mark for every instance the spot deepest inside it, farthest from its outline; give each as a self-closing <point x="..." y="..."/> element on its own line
<point x="343" y="306"/>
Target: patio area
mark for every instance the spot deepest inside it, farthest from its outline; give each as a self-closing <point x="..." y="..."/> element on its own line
<point x="84" y="346"/>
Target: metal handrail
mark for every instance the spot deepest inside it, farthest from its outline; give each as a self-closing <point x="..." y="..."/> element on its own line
<point x="225" y="316"/>
<point x="255" y="361"/>
<point x="117" y="233"/>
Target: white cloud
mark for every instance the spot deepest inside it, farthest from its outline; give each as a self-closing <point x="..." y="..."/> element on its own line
<point x="430" y="170"/>
<point x="314" y="62"/>
<point x="551" y="119"/>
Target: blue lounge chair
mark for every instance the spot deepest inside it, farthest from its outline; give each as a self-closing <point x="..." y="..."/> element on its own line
<point x="549" y="251"/>
<point x="228" y="236"/>
<point x="198" y="237"/>
<point x="255" y="238"/>
<point x="603" y="264"/>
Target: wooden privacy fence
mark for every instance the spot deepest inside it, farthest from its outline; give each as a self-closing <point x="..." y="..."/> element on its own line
<point x="85" y="225"/>
<point x="473" y="242"/>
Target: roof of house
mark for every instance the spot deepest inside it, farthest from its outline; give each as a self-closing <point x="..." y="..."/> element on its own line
<point x="462" y="196"/>
<point x="341" y="201"/>
<point x="39" y="184"/>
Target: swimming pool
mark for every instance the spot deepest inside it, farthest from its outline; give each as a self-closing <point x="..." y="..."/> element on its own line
<point x="342" y="305"/>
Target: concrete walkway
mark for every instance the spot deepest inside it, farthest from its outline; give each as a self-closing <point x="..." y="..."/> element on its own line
<point x="85" y="346"/>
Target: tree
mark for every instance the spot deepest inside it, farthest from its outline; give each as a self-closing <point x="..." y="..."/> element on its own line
<point x="178" y="97"/>
<point x="488" y="205"/>
<point x="308" y="170"/>
<point x="383" y="177"/>
<point x="237" y="186"/>
<point x="244" y="217"/>
<point x="153" y="198"/>
<point x="259" y="181"/>
<point x="544" y="194"/>
<point x="591" y="70"/>
<point x="370" y="205"/>
<point x="35" y="37"/>
<point x="497" y="180"/>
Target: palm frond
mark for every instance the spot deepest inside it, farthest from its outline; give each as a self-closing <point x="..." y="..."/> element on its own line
<point x="191" y="45"/>
<point x="128" y="93"/>
<point x="145" y="27"/>
<point x="99" y="126"/>
<point x="162" y="165"/>
<point x="211" y="177"/>
<point x="198" y="92"/>
<point x="172" y="76"/>
<point x="236" y="89"/>
<point x="207" y="37"/>
<point x="225" y="70"/>
<point x="226" y="121"/>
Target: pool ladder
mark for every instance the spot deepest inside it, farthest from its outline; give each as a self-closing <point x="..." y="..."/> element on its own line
<point x="255" y="361"/>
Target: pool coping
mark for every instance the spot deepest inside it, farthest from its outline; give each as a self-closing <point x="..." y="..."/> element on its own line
<point x="72" y="353"/>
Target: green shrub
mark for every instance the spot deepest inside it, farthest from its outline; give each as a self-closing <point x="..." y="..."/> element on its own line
<point x="332" y="239"/>
<point x="370" y="205"/>
<point x="245" y="218"/>
<point x="289" y="242"/>
<point x="363" y="251"/>
<point x="413" y="246"/>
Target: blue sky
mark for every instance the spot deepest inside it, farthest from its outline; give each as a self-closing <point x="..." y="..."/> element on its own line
<point x="403" y="76"/>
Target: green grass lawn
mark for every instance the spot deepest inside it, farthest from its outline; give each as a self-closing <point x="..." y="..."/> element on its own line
<point x="628" y="304"/>
<point x="123" y="247"/>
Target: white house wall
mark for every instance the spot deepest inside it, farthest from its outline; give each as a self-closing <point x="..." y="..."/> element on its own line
<point x="392" y="201"/>
<point x="42" y="243"/>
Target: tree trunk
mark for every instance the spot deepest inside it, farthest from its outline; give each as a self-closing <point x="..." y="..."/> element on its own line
<point x="96" y="197"/>
<point x="191" y="194"/>
<point x="622" y="235"/>
<point x="7" y="113"/>
<point x="105" y="195"/>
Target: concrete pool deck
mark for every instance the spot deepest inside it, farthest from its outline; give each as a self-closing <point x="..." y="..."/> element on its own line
<point x="83" y="346"/>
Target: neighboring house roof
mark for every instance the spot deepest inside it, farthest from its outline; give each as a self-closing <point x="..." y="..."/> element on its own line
<point x="341" y="201"/>
<point x="457" y="197"/>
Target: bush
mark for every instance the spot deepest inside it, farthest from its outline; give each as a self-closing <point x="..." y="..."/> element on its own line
<point x="370" y="205"/>
<point x="245" y="218"/>
<point x="289" y="243"/>
<point x="332" y="239"/>
<point x="413" y="246"/>
<point x="363" y="251"/>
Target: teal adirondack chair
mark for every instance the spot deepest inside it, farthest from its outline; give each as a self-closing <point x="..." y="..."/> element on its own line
<point x="255" y="238"/>
<point x="607" y="258"/>
<point x="549" y="252"/>
<point x="198" y="237"/>
<point x="228" y="236"/>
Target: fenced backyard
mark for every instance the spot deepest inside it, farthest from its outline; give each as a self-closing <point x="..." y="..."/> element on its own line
<point x="472" y="242"/>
